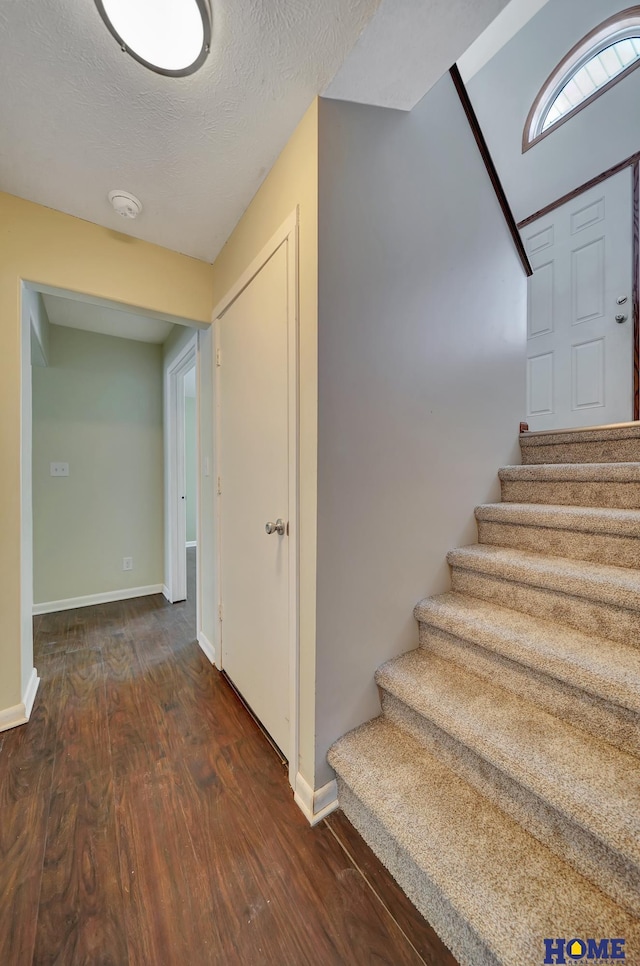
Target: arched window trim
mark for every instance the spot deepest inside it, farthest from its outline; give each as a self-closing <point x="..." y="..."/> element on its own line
<point x="618" y="27"/>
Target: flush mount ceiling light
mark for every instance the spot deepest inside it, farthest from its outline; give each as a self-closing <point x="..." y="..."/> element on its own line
<point x="171" y="37"/>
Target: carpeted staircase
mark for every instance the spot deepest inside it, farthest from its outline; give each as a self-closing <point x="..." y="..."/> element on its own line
<point x="501" y="784"/>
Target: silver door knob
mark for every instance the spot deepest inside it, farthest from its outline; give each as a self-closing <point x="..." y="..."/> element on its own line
<point x="621" y="318"/>
<point x="278" y="527"/>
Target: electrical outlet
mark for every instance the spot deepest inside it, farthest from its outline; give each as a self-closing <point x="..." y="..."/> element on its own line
<point x="127" y="563"/>
<point x="59" y="469"/>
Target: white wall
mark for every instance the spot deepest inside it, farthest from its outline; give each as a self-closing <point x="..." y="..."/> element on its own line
<point x="421" y="379"/>
<point x="598" y="137"/>
<point x="97" y="407"/>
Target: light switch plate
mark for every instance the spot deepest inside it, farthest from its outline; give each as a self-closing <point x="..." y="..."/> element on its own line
<point x="59" y="469"/>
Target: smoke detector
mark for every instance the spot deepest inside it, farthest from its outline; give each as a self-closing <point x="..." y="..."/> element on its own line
<point x="124" y="203"/>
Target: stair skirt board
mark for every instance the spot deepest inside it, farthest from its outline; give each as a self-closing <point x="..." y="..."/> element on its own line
<point x="53" y="606"/>
<point x="501" y="784"/>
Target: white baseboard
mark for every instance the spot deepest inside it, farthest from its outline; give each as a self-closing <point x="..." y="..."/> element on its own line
<point x="315" y="805"/>
<point x="207" y="647"/>
<point x="166" y="594"/>
<point x="191" y="543"/>
<point x="19" y="714"/>
<point x="52" y="606"/>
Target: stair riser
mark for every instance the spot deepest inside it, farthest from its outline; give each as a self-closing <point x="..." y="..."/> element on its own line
<point x="452" y="928"/>
<point x="601" y="718"/>
<point x="595" y="547"/>
<point x="592" y="617"/>
<point x="613" y="874"/>
<point x="622" y="496"/>
<point x="602" y="451"/>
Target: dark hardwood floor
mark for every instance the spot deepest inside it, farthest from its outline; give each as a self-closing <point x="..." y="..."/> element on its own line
<point x="145" y="819"/>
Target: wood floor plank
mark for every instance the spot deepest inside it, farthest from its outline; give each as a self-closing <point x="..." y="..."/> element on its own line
<point x="22" y="842"/>
<point x="26" y="757"/>
<point x="82" y="738"/>
<point x="81" y="907"/>
<point x="166" y="915"/>
<point x="170" y="828"/>
<point x="285" y="892"/>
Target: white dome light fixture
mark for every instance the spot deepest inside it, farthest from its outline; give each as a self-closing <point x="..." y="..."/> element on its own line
<point x="171" y="37"/>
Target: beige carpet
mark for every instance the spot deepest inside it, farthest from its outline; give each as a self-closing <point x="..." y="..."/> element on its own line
<point x="501" y="783"/>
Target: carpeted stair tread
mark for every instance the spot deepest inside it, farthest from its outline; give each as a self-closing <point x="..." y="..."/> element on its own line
<point x="596" y="520"/>
<point x="603" y="668"/>
<point x="584" y="778"/>
<point x="598" y="444"/>
<point x="584" y="434"/>
<point x="510" y="889"/>
<point x="572" y="472"/>
<point x="603" y="583"/>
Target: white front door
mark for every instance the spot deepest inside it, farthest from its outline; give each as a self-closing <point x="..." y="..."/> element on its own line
<point x="254" y="469"/>
<point x="579" y="357"/>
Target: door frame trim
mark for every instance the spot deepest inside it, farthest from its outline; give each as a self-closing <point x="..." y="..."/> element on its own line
<point x="287" y="234"/>
<point x="176" y="576"/>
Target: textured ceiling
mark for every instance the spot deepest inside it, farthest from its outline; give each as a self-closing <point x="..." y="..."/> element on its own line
<point x="78" y="117"/>
<point x="76" y="314"/>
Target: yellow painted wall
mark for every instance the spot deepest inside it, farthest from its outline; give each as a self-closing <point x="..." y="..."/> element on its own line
<point x="47" y="247"/>
<point x="292" y="181"/>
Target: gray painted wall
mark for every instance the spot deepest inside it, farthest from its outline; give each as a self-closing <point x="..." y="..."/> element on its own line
<point x="421" y="379"/>
<point x="602" y="134"/>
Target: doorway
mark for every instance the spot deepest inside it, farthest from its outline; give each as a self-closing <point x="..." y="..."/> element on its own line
<point x="256" y="453"/>
<point x="181" y="391"/>
<point x="580" y="328"/>
<point x="97" y="454"/>
<point x="191" y="481"/>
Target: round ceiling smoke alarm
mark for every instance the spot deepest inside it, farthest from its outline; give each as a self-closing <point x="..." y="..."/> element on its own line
<point x="124" y="203"/>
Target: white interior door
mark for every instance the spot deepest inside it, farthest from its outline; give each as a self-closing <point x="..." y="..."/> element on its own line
<point x="579" y="357"/>
<point x="254" y="468"/>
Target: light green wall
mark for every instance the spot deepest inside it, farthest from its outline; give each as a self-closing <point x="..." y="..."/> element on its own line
<point x="98" y="407"/>
<point x="190" y="464"/>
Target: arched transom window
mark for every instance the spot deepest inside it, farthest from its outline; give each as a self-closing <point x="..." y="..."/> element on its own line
<point x="600" y="60"/>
